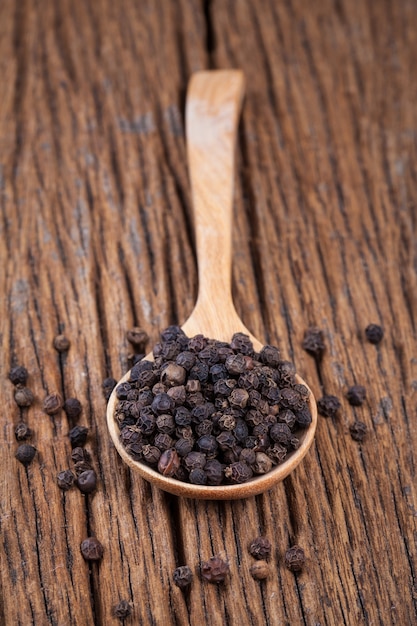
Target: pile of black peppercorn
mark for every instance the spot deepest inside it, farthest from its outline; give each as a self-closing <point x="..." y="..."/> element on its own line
<point x="210" y="412"/>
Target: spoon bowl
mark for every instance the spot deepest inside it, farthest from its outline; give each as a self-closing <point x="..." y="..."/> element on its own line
<point x="213" y="106"/>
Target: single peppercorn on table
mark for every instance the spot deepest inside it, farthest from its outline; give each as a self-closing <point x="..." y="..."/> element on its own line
<point x="97" y="240"/>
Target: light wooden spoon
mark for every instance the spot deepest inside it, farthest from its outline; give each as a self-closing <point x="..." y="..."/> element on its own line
<point x="213" y="106"/>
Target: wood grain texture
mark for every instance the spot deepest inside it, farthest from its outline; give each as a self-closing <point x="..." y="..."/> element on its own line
<point x="96" y="236"/>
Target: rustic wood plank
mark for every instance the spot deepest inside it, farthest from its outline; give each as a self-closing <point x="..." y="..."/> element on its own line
<point x="96" y="226"/>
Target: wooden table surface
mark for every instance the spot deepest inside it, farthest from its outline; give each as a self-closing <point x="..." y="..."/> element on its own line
<point x="97" y="237"/>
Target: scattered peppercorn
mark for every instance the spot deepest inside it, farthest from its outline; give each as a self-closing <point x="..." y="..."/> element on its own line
<point x="210" y="413"/>
<point x="183" y="576"/>
<point x="25" y="454"/>
<point x="358" y="431"/>
<point x="87" y="481"/>
<point x="260" y="548"/>
<point x="374" y="333"/>
<point x="52" y="404"/>
<point x="73" y="408"/>
<point x="122" y="610"/>
<point x="91" y="549"/>
<point x="328" y="405"/>
<point x="78" y="454"/>
<point x="78" y="436"/>
<point x="356" y="395"/>
<point x="61" y="343"/>
<point x="215" y="570"/>
<point x="24" y="396"/>
<point x="259" y="570"/>
<point x="65" y="479"/>
<point x="22" y="432"/>
<point x="18" y="375"/>
<point x="137" y="337"/>
<point x="313" y="341"/>
<point x="295" y="559"/>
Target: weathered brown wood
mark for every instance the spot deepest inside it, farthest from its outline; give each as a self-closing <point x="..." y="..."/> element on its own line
<point x="96" y="236"/>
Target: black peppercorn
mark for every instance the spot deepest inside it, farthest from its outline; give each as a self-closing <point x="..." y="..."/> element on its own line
<point x="374" y="333"/>
<point x="217" y="372"/>
<point x="78" y="436"/>
<point x="214" y="472"/>
<point x="200" y="372"/>
<point x="25" y="454"/>
<point x="165" y="424"/>
<point x="178" y="394"/>
<point x="184" y="446"/>
<point x="122" y="390"/>
<point x="122" y="610"/>
<point x="162" y="403"/>
<point x="356" y="395"/>
<point x="263" y="464"/>
<point x="260" y="548"/>
<point x="173" y="375"/>
<point x="182" y="416"/>
<point x="73" y="408"/>
<point x="23" y="396"/>
<point x="215" y="570"/>
<point x="207" y="445"/>
<point x="22" y="432"/>
<point x="198" y="476"/>
<point x="183" y="576"/>
<point x="303" y="417"/>
<point x="313" y="341"/>
<point x="286" y="416"/>
<point x="286" y="371"/>
<point x="204" y="428"/>
<point x="280" y="433"/>
<point x="277" y="453"/>
<point x="18" y="375"/>
<point x="238" y="472"/>
<point x="163" y="441"/>
<point x="328" y="405"/>
<point x="247" y="455"/>
<point x="108" y="385"/>
<point x="91" y="549"/>
<point x="239" y="398"/>
<point x="82" y="466"/>
<point x="137" y="337"/>
<point x="269" y="355"/>
<point x="61" y="343"/>
<point x="87" y="481"/>
<point x="197" y="343"/>
<point x="358" y="431"/>
<point x="65" y="479"/>
<point x="241" y="343"/>
<point x="224" y="386"/>
<point x="186" y="360"/>
<point x="172" y="333"/>
<point x="78" y="454"/>
<point x="295" y="559"/>
<point x="169" y="462"/>
<point x="235" y="364"/>
<point x="195" y="459"/>
<point x="259" y="570"/>
<point x="138" y="368"/>
<point x="151" y="454"/>
<point x="146" y="421"/>
<point x="227" y="422"/>
<point x="52" y="404"/>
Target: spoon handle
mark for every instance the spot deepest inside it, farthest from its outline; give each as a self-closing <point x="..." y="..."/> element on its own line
<point x="214" y="100"/>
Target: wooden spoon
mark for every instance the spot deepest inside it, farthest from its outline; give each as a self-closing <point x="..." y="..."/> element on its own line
<point x="214" y="101"/>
